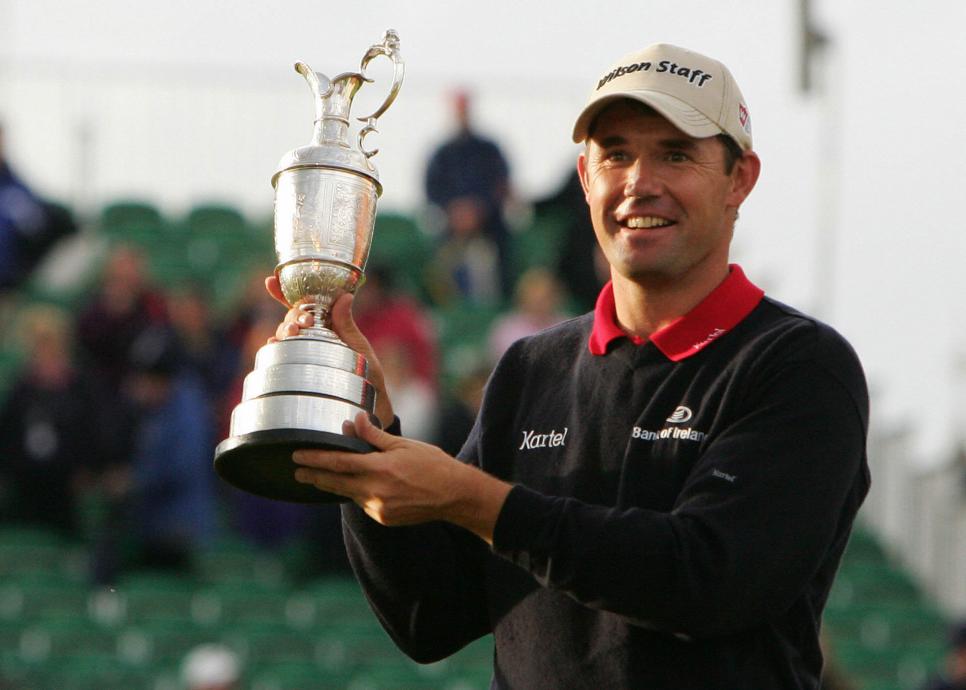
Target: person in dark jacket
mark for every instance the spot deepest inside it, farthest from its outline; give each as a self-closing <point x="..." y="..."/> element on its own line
<point x="30" y="226"/>
<point x="656" y="494"/>
<point x="46" y="448"/>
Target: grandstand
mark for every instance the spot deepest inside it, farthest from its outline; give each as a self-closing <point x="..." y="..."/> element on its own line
<point x="884" y="623"/>
<point x="57" y="632"/>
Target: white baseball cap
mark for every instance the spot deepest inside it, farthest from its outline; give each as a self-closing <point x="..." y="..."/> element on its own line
<point x="695" y="93"/>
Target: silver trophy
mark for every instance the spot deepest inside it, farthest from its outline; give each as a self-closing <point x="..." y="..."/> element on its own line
<point x="303" y="389"/>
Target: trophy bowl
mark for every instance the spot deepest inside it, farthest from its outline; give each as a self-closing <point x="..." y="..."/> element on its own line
<point x="304" y="389"/>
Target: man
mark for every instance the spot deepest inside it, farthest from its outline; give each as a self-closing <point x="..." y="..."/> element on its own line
<point x="468" y="179"/>
<point x="655" y="494"/>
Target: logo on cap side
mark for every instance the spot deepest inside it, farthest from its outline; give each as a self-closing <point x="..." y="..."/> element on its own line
<point x="744" y="118"/>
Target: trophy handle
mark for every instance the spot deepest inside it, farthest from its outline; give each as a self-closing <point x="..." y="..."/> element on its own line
<point x="390" y="48"/>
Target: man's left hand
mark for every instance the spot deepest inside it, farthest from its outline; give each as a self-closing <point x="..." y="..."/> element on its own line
<point x="405" y="482"/>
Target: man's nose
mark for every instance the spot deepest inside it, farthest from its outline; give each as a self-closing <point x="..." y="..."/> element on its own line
<point x="642" y="180"/>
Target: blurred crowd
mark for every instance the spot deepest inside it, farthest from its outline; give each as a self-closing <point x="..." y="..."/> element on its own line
<point x="108" y="431"/>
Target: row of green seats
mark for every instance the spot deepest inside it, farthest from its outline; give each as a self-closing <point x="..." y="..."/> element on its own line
<point x="212" y="235"/>
<point x="883" y="631"/>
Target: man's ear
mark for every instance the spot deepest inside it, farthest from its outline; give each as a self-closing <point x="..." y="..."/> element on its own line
<point x="582" y="172"/>
<point x="743" y="177"/>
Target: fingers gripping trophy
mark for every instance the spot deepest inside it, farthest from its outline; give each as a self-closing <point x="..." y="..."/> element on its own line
<point x="303" y="388"/>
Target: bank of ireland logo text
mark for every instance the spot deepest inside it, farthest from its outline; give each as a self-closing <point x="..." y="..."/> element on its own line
<point x="680" y="415"/>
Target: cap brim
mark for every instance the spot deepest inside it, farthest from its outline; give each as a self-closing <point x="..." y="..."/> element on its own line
<point x="677" y="112"/>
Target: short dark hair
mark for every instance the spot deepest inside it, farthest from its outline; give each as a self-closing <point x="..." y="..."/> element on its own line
<point x="732" y="150"/>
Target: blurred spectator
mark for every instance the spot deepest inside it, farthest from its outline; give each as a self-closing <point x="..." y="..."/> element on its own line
<point x="459" y="409"/>
<point x="254" y="305"/>
<point x="467" y="178"/>
<point x="169" y="500"/>
<point x="211" y="667"/>
<point x="538" y="300"/>
<point x="269" y="524"/>
<point x="466" y="264"/>
<point x="392" y="319"/>
<point x="581" y="260"/>
<point x="45" y="425"/>
<point x="29" y="226"/>
<point x="413" y="399"/>
<point x="834" y="677"/>
<point x="207" y="350"/>
<point x="122" y="306"/>
<point x="954" y="677"/>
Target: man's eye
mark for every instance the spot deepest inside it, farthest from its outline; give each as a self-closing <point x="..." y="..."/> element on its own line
<point x="676" y="156"/>
<point x="615" y="155"/>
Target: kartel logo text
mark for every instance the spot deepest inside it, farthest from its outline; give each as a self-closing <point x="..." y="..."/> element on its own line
<point x="554" y="439"/>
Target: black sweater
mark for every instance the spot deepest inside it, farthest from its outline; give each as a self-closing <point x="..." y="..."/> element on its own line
<point x="673" y="524"/>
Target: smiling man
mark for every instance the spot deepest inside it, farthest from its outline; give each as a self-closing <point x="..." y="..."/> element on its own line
<point x="692" y="455"/>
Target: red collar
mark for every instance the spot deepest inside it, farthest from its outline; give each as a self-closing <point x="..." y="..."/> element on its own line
<point x="723" y="309"/>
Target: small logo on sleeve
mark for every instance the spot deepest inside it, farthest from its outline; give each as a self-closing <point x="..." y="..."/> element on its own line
<point x="553" y="439"/>
<point x="723" y="475"/>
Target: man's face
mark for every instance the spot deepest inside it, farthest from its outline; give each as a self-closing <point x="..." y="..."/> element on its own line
<point x="662" y="205"/>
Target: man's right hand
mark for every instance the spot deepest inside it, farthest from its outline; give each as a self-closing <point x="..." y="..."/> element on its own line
<point x="345" y="327"/>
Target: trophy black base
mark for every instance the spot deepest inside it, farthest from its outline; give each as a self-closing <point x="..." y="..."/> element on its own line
<point x="261" y="462"/>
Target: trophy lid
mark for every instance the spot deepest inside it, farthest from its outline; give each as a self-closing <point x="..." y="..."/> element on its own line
<point x="330" y="146"/>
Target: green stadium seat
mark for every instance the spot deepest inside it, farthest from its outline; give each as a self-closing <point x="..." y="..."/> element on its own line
<point x="475" y="680"/>
<point x="474" y="660"/>
<point x="92" y="672"/>
<point x="239" y="603"/>
<point x="297" y="675"/>
<point x="10" y="631"/>
<point x="65" y="638"/>
<point x="135" y="221"/>
<point x="237" y="561"/>
<point x="399" y="675"/>
<point x="538" y="244"/>
<point x="882" y="630"/>
<point x="215" y="219"/>
<point x="864" y="546"/>
<point x="350" y="645"/>
<point x="215" y="235"/>
<point x="328" y="600"/>
<point x="27" y="550"/>
<point x="464" y="330"/>
<point x="37" y="597"/>
<point x="147" y="597"/>
<point x="11" y="360"/>
<point x="399" y="243"/>
<point x="164" y="641"/>
<point x="268" y="642"/>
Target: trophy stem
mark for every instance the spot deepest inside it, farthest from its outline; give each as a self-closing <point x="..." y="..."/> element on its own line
<point x="321" y="320"/>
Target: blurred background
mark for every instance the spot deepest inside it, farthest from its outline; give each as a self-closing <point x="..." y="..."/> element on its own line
<point x="137" y="145"/>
